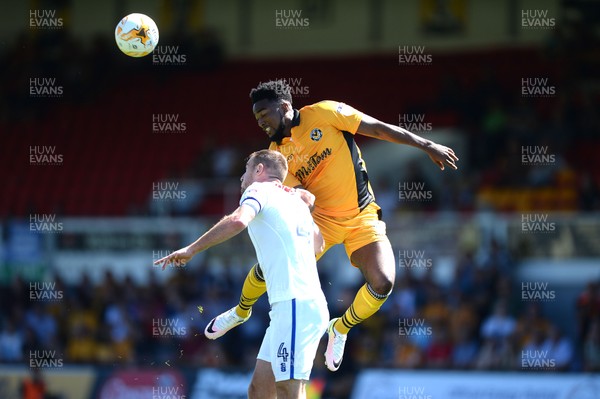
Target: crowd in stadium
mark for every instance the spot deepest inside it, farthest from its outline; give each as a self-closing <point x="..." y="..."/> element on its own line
<point x="476" y="323"/>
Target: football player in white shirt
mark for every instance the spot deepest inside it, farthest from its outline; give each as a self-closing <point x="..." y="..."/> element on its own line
<point x="286" y="241"/>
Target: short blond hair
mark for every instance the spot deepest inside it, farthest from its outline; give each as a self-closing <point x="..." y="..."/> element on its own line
<point x="272" y="160"/>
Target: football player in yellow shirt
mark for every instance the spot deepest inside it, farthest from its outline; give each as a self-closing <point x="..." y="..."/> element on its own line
<point x="323" y="158"/>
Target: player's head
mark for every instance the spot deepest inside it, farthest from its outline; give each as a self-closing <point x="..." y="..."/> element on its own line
<point x="272" y="108"/>
<point x="264" y="165"/>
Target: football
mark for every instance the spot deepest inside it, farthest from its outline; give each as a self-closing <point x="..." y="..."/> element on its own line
<point x="136" y="35"/>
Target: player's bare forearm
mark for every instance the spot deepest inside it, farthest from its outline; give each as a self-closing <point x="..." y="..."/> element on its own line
<point x="372" y="127"/>
<point x="225" y="229"/>
<point x="228" y="227"/>
<point x="439" y="154"/>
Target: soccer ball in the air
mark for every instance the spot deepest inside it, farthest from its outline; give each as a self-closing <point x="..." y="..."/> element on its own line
<point x="136" y="35"/>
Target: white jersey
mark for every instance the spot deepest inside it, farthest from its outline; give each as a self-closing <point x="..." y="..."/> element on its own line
<point x="282" y="234"/>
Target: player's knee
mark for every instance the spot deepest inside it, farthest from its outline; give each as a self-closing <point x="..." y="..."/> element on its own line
<point x="382" y="285"/>
<point x="282" y="392"/>
<point x="290" y="389"/>
<point x="256" y="390"/>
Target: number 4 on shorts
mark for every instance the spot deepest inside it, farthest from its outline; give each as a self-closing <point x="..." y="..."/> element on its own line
<point x="282" y="352"/>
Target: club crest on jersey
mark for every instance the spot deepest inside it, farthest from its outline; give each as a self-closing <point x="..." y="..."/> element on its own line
<point x="316" y="134"/>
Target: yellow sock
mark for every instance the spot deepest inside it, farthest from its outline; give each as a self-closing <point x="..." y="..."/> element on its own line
<point x="254" y="287"/>
<point x="365" y="304"/>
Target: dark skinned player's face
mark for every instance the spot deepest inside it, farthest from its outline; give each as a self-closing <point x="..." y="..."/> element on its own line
<point x="269" y="115"/>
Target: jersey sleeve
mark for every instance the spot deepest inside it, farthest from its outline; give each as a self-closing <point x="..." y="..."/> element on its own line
<point x="339" y="115"/>
<point x="255" y="197"/>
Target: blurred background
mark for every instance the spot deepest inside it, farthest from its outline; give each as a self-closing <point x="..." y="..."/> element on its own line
<point x="110" y="162"/>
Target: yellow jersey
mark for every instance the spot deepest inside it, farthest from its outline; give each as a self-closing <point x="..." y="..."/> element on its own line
<point x="323" y="157"/>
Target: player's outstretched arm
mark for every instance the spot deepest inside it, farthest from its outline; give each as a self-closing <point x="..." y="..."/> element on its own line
<point x="228" y="227"/>
<point x="439" y="154"/>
